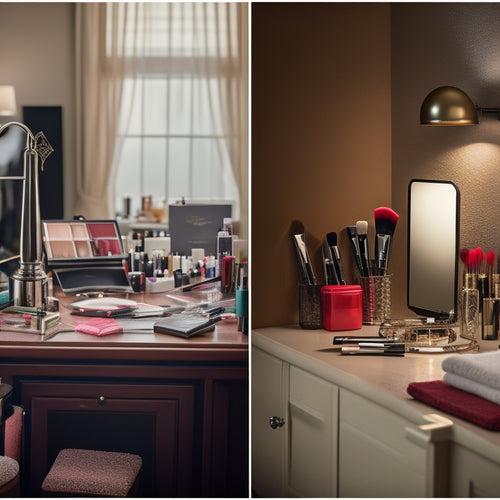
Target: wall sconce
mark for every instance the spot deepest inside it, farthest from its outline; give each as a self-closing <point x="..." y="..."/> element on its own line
<point x="447" y="106"/>
<point x="7" y="100"/>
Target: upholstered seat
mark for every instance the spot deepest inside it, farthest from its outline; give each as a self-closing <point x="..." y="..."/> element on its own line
<point x="9" y="475"/>
<point x="90" y="472"/>
<point x="11" y="453"/>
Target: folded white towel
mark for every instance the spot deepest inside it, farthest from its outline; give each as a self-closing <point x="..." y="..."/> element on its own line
<point x="476" y="388"/>
<point x="483" y="368"/>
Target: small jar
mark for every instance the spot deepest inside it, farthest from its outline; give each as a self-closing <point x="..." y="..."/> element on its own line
<point x="342" y="307"/>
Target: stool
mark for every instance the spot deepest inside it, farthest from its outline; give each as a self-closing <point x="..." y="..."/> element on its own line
<point x="89" y="472"/>
<point x="9" y="476"/>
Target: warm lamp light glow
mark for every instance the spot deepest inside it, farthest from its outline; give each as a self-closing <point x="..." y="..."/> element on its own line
<point x="7" y="100"/>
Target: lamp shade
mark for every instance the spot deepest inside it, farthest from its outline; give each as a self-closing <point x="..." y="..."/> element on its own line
<point x="448" y="106"/>
<point x="7" y="100"/>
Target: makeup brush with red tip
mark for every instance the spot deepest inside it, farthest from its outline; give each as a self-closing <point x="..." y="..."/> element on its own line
<point x="385" y="224"/>
<point x="464" y="257"/>
<point x="490" y="259"/>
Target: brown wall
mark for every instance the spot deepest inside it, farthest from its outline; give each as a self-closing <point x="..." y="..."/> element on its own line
<point x="37" y="52"/>
<point x="321" y="136"/>
<point x="436" y="44"/>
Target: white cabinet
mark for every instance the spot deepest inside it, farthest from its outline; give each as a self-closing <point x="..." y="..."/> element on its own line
<point x="349" y="431"/>
<point x="269" y="446"/>
<point x="313" y="407"/>
<point x="298" y="457"/>
<point x="472" y="475"/>
<point x="375" y="457"/>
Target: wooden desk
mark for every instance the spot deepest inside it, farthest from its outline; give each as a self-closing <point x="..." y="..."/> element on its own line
<point x="181" y="404"/>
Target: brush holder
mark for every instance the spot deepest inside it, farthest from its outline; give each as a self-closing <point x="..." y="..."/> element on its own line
<point x="495" y="285"/>
<point x="469" y="313"/>
<point x="491" y="319"/>
<point x="310" y="310"/>
<point x="376" y="299"/>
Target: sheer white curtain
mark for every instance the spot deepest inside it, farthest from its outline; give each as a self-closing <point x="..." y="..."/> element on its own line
<point x="100" y="39"/>
<point x="186" y="87"/>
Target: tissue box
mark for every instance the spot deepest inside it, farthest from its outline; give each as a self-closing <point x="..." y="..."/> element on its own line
<point x="342" y="307"/>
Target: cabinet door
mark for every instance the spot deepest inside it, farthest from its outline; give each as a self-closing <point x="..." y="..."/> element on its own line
<point x="313" y="414"/>
<point x="153" y="421"/>
<point x="269" y="452"/>
<point x="229" y="452"/>
<point x="472" y="475"/>
<point x="375" y="457"/>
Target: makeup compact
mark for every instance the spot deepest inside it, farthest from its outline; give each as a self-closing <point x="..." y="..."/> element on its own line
<point x="86" y="255"/>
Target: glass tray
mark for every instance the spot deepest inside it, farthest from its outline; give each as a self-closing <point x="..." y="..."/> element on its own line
<point x="421" y="336"/>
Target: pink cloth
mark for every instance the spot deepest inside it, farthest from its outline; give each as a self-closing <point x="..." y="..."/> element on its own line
<point x="99" y="326"/>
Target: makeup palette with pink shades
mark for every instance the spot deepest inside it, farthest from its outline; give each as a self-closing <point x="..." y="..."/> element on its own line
<point x="81" y="239"/>
<point x="86" y="255"/>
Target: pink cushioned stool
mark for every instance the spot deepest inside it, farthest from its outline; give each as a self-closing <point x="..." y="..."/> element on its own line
<point x="9" y="476"/>
<point x="89" y="472"/>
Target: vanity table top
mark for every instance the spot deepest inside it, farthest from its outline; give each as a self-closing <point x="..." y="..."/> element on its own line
<point x="224" y="344"/>
<point x="382" y="379"/>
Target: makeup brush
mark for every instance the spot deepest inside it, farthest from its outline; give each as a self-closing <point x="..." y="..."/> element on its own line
<point x="330" y="274"/>
<point x="385" y="224"/>
<point x="490" y="260"/>
<point x="482" y="278"/>
<point x="464" y="256"/>
<point x="331" y="238"/>
<point x="353" y="238"/>
<point x="303" y="259"/>
<point x="362" y="234"/>
<point x="328" y="266"/>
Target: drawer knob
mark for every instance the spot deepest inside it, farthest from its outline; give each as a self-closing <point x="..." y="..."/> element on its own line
<point x="276" y="422"/>
<point x="101" y="400"/>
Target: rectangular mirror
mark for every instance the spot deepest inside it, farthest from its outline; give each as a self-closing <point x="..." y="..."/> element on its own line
<point x="433" y="243"/>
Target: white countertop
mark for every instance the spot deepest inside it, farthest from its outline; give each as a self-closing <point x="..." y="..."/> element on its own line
<point x="383" y="379"/>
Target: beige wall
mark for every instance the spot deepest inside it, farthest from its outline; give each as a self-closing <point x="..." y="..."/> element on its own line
<point x="321" y="136"/>
<point x="446" y="44"/>
<point x="37" y="57"/>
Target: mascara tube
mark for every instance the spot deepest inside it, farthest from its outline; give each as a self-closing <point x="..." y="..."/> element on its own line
<point x="377" y="350"/>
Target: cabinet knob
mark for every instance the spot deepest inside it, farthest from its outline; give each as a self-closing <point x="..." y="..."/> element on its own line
<point x="101" y="400"/>
<point x="276" y="422"/>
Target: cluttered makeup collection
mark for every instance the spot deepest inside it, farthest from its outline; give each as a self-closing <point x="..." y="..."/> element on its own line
<point x="90" y="259"/>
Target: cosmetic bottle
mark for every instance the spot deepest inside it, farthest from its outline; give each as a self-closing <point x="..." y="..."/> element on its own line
<point x="469" y="306"/>
<point x="224" y="249"/>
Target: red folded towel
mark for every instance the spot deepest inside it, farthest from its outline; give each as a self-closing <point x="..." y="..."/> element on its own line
<point x="462" y="404"/>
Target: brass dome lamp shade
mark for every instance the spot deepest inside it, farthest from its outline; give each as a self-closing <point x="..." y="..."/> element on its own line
<point x="447" y="106"/>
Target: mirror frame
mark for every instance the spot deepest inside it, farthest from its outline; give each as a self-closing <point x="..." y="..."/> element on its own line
<point x="427" y="312"/>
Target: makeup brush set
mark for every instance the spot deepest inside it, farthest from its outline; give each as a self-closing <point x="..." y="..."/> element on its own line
<point x="385" y="225"/>
<point x="333" y="272"/>
<point x="480" y="300"/>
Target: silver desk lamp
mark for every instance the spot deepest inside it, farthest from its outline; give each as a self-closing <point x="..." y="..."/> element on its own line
<point x="30" y="281"/>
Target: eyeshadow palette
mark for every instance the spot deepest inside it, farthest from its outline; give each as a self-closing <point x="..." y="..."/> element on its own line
<point x="86" y="255"/>
<point x="65" y="240"/>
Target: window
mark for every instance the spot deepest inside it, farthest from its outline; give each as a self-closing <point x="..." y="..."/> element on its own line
<point x="180" y="104"/>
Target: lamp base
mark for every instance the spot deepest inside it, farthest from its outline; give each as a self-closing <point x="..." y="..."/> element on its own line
<point x="31" y="289"/>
